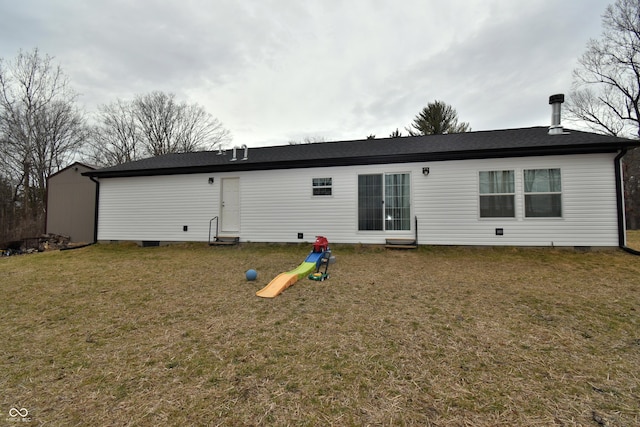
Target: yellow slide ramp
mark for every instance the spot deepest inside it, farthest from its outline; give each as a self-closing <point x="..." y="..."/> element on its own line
<point x="283" y="280"/>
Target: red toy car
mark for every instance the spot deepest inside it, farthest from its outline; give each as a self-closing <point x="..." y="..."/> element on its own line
<point x="321" y="244"/>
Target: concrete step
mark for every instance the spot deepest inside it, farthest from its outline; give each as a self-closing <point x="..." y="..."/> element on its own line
<point x="225" y="241"/>
<point x="400" y="244"/>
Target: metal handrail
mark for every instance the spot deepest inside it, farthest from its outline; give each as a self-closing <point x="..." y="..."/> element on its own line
<point x="216" y="235"/>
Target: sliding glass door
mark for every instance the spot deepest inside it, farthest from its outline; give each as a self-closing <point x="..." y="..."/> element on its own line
<point x="370" y="202"/>
<point x="384" y="202"/>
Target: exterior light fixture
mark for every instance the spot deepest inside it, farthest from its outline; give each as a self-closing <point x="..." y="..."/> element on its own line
<point x="210" y="180"/>
<point x="425" y="171"/>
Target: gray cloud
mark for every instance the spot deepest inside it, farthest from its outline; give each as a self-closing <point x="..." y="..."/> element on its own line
<point x="274" y="70"/>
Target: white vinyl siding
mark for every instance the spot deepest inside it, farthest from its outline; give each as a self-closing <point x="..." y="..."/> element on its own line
<point x="448" y="210"/>
<point x="276" y="205"/>
<point x="157" y="208"/>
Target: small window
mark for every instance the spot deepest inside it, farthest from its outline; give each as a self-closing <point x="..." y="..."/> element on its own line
<point x="322" y="186"/>
<point x="497" y="194"/>
<point x="542" y="193"/>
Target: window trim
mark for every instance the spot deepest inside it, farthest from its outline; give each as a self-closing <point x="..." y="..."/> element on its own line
<point x="324" y="186"/>
<point x="525" y="194"/>
<point x="512" y="194"/>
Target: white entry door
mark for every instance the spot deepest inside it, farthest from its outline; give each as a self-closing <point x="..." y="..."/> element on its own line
<point x="230" y="209"/>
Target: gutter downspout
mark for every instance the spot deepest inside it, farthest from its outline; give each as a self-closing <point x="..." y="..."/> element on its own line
<point x="95" y="219"/>
<point x="622" y="237"/>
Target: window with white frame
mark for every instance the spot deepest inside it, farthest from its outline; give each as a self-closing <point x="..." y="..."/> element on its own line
<point x="322" y="186"/>
<point x="497" y="194"/>
<point x="542" y="193"/>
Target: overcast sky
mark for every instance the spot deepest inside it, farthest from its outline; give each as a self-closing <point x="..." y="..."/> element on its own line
<point x="273" y="71"/>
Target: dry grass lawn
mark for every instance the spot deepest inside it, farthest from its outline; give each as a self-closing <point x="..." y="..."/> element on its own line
<point x="440" y="336"/>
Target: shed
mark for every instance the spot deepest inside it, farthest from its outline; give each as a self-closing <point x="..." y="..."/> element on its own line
<point x="71" y="203"/>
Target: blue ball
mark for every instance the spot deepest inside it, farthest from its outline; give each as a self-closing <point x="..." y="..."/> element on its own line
<point x="251" y="274"/>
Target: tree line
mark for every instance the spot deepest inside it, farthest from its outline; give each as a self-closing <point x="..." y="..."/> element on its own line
<point x="605" y="93"/>
<point x="42" y="129"/>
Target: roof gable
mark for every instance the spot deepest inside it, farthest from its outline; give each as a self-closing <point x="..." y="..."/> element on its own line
<point x="76" y="165"/>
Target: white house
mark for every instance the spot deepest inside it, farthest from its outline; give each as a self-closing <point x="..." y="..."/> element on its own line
<point x="534" y="186"/>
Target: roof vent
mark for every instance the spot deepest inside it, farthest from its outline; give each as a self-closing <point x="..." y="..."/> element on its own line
<point x="246" y="153"/>
<point x="556" y="102"/>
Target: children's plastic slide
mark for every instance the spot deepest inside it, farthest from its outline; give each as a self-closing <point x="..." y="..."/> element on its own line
<point x="283" y="280"/>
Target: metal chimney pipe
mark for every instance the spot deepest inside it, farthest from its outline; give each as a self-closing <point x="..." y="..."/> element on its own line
<point x="556" y="106"/>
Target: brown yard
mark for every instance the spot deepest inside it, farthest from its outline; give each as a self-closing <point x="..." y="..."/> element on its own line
<point x="440" y="336"/>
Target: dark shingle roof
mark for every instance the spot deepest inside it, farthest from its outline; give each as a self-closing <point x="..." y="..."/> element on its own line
<point x="533" y="141"/>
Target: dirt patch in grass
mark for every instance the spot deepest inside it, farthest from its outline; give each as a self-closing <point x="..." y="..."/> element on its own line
<point x="121" y="335"/>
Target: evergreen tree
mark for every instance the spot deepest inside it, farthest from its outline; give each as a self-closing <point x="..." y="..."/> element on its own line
<point x="435" y="119"/>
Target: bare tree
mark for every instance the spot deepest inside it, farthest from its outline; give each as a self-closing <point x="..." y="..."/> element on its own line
<point x="61" y="133"/>
<point x="198" y="130"/>
<point x="158" y="118"/>
<point x="606" y="85"/>
<point x="152" y="125"/>
<point x="40" y="128"/>
<point x="308" y="140"/>
<point x="606" y="90"/>
<point x="114" y="139"/>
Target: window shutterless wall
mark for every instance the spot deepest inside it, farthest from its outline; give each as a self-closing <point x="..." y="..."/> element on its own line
<point x="276" y="205"/>
<point x="448" y="208"/>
